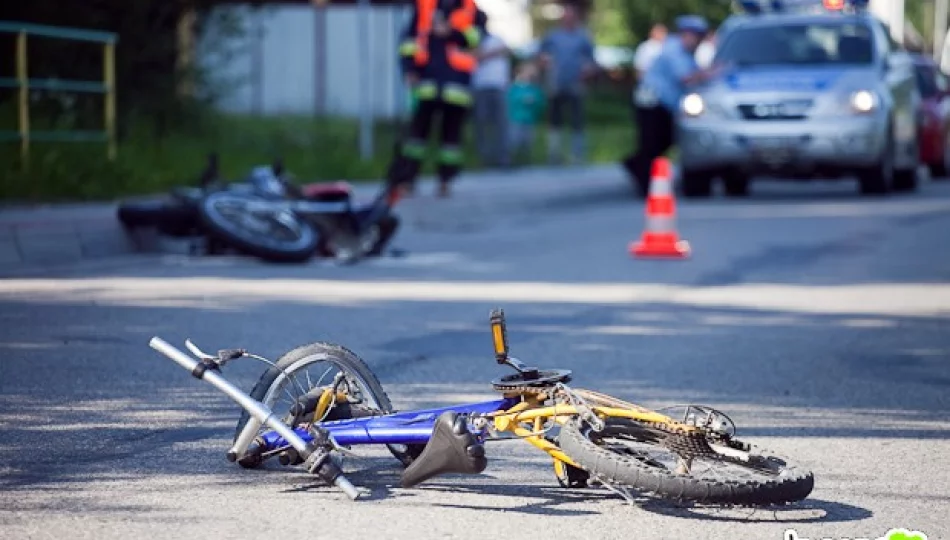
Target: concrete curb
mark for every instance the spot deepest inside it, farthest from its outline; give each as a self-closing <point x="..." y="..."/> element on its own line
<point x="56" y="235"/>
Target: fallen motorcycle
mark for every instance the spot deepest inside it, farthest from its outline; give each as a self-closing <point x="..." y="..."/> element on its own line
<point x="334" y="402"/>
<point x="267" y="216"/>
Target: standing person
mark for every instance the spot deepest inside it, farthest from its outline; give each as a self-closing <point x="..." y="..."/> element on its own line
<point x="658" y="96"/>
<point x="438" y="59"/>
<point x="490" y="83"/>
<point x="647" y="51"/>
<point x="567" y="53"/>
<point x="526" y="104"/>
<point x="706" y="51"/>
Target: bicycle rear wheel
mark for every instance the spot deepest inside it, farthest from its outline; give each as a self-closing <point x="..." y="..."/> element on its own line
<point x="649" y="459"/>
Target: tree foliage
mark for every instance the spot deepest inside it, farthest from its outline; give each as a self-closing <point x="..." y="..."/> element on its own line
<point x="149" y="72"/>
<point x="627" y="22"/>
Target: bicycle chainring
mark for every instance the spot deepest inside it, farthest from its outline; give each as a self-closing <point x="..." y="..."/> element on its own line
<point x="519" y="384"/>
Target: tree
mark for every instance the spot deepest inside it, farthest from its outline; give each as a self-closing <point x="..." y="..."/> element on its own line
<point x="628" y="22"/>
<point x="152" y="69"/>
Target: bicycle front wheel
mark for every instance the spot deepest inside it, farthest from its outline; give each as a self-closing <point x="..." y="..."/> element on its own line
<point x="307" y="371"/>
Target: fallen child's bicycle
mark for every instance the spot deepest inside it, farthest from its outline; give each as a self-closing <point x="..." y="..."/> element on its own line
<point x="591" y="437"/>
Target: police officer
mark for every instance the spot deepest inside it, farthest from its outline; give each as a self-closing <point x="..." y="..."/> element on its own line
<point x="438" y="53"/>
<point x="658" y="96"/>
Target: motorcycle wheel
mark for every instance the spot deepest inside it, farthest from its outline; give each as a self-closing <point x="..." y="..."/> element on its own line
<point x="226" y="218"/>
<point x="169" y="217"/>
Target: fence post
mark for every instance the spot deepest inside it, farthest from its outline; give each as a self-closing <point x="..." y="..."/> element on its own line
<point x="22" y="75"/>
<point x="108" y="78"/>
<point x="366" y="81"/>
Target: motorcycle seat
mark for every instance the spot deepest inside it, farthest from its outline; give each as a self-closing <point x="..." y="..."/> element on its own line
<point x="322" y="190"/>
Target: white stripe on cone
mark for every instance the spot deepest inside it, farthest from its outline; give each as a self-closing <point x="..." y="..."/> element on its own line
<point x="660" y="187"/>
<point x="661" y="224"/>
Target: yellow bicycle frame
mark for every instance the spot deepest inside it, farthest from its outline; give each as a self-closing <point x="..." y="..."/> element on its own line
<point x="531" y="410"/>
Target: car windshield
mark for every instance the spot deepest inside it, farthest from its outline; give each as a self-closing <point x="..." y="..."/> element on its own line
<point x="826" y="43"/>
<point x="926" y="82"/>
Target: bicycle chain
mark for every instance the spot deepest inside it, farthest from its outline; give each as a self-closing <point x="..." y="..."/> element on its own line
<point x="685" y="443"/>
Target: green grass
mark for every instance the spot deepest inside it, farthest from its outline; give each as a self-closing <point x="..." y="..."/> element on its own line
<point x="314" y="149"/>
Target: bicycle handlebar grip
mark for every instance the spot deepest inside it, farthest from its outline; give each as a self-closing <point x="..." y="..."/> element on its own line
<point x="499" y="335"/>
<point x="347" y="487"/>
<point x="173" y="353"/>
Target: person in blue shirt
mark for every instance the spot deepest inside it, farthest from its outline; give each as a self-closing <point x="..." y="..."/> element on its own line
<point x="658" y="96"/>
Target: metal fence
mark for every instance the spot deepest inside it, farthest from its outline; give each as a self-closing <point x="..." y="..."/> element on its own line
<point x="24" y="85"/>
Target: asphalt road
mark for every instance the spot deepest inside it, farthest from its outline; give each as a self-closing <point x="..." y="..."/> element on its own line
<point x="818" y="319"/>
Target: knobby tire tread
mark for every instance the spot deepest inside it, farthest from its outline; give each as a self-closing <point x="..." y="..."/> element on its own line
<point x="796" y="485"/>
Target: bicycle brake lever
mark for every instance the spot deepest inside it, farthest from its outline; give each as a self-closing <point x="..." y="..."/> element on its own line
<point x="198" y="352"/>
<point x="226" y="355"/>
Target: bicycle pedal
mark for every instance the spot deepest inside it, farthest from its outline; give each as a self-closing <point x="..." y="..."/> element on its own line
<point x="452" y="449"/>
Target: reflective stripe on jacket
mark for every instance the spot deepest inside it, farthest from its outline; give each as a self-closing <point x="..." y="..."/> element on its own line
<point x="441" y="60"/>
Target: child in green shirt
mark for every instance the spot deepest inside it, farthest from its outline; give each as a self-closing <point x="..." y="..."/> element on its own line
<point x="526" y="104"/>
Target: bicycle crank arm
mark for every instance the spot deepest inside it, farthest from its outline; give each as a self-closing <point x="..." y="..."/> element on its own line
<point x="255" y="408"/>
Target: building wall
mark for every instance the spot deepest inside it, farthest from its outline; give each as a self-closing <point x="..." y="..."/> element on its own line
<point x="298" y="59"/>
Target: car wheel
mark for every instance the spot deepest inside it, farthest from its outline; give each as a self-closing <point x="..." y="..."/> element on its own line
<point x="878" y="178"/>
<point x="938" y="171"/>
<point x="736" y="185"/>
<point x="905" y="180"/>
<point x="696" y="184"/>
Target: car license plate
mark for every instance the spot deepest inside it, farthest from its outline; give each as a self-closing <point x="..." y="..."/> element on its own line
<point x="773" y="150"/>
<point x="771" y="143"/>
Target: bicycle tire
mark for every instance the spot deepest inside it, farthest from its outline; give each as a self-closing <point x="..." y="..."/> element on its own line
<point x="794" y="483"/>
<point x="346" y="360"/>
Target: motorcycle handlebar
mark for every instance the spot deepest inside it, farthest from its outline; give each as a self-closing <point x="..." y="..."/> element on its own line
<point x="255" y="408"/>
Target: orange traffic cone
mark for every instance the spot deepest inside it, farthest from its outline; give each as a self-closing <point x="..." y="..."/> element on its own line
<point x="660" y="238"/>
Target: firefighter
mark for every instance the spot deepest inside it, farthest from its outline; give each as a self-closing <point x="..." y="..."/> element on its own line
<point x="438" y="58"/>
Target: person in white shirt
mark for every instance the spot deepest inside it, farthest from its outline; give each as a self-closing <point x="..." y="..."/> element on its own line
<point x="490" y="85"/>
<point x="647" y="51"/>
<point x="706" y="51"/>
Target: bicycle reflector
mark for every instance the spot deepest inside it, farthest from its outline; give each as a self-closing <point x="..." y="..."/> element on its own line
<point x="499" y="335"/>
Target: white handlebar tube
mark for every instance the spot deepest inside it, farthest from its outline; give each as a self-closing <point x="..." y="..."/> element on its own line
<point x="255" y="408"/>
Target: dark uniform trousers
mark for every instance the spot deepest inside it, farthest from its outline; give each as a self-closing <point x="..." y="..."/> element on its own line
<point x="656" y="135"/>
<point x="451" y="116"/>
<point x="443" y="65"/>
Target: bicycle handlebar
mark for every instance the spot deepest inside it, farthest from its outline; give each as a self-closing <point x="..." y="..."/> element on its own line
<point x="258" y="410"/>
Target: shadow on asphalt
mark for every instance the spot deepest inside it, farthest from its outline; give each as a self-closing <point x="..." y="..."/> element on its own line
<point x="75" y="406"/>
<point x="765" y="192"/>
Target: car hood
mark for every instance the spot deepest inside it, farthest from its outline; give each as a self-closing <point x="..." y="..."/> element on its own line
<point x="798" y="80"/>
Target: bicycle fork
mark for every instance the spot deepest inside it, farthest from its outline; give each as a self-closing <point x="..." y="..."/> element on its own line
<point x="315" y="454"/>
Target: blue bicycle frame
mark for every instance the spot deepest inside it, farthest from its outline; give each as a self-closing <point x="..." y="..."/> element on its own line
<point x="407" y="427"/>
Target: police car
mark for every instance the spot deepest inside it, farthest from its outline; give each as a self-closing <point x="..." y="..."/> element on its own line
<point x="809" y="89"/>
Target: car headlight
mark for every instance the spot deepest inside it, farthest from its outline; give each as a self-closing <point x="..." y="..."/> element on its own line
<point x="863" y="101"/>
<point x="693" y="105"/>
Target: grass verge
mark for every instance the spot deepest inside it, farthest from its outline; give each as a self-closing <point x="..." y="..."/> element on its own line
<point x="314" y="149"/>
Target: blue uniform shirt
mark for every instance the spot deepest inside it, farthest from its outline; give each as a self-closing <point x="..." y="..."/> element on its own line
<point x="662" y="79"/>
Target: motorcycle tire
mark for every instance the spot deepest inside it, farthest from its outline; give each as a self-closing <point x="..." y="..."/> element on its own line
<point x="267" y="248"/>
<point x="168" y="217"/>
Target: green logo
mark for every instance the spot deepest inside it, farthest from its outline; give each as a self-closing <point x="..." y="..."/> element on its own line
<point x="893" y="534"/>
<point x="904" y="534"/>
